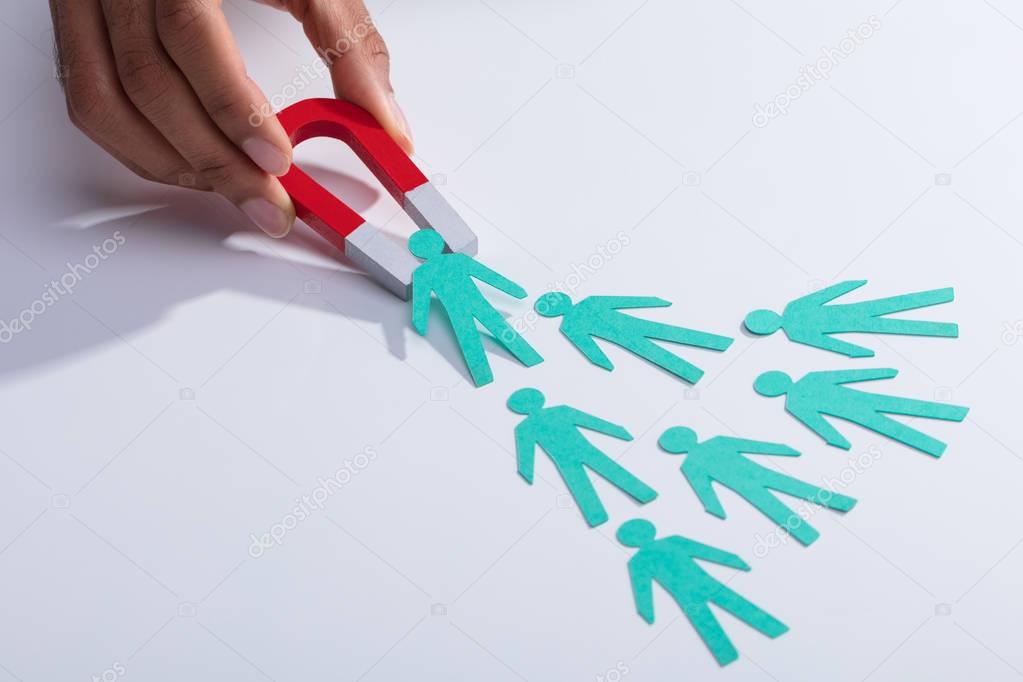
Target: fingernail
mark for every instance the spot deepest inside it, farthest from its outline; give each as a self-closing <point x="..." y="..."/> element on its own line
<point x="267" y="217"/>
<point x="399" y="116"/>
<point x="266" y="156"/>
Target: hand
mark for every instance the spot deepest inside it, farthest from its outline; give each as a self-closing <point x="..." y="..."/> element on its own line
<point x="161" y="86"/>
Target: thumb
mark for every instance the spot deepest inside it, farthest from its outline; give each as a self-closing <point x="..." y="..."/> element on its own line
<point x="347" y="40"/>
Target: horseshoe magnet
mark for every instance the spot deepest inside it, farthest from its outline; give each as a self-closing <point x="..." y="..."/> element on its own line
<point x="380" y="256"/>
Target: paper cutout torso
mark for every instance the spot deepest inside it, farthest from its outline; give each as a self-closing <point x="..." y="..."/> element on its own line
<point x="450" y="276"/>
<point x="671" y="563"/>
<point x="824" y="393"/>
<point x="557" y="430"/>
<point x="811" y="321"/>
<point x="722" y="459"/>
<point x="600" y="317"/>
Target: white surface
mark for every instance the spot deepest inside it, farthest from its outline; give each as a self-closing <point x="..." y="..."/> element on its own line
<point x="127" y="510"/>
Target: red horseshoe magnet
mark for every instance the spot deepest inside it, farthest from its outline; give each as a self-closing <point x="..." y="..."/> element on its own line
<point x="379" y="255"/>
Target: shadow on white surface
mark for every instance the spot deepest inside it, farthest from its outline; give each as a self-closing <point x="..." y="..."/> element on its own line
<point x="131" y="290"/>
<point x="189" y="247"/>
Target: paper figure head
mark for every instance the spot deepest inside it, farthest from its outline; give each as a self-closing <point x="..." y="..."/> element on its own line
<point x="677" y="440"/>
<point x="636" y="533"/>
<point x="763" y="322"/>
<point x="525" y="401"/>
<point x="553" y="304"/>
<point x="772" y="384"/>
<point x="426" y="244"/>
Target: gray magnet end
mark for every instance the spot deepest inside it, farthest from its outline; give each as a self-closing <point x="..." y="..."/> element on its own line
<point x="429" y="209"/>
<point x="383" y="258"/>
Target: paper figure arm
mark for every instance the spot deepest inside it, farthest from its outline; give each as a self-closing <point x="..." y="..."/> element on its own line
<point x="758" y="447"/>
<point x="829" y="294"/>
<point x="420" y="305"/>
<point x="699" y="550"/>
<point x="853" y="376"/>
<point x="846" y="348"/>
<point x="816" y="422"/>
<point x="525" y="453"/>
<point x="904" y="302"/>
<point x="588" y="421"/>
<point x="616" y="302"/>
<point x="495" y="279"/>
<point x="588" y="347"/>
<point x="703" y="486"/>
<point x="642" y="589"/>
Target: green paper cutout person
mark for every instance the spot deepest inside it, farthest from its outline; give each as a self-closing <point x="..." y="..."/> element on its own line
<point x="450" y="276"/>
<point x="723" y="460"/>
<point x="810" y="321"/>
<point x="671" y="563"/>
<point x="557" y="430"/>
<point x="600" y="317"/>
<point x="824" y="393"/>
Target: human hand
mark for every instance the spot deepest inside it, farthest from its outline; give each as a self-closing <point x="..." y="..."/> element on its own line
<point x="161" y="86"/>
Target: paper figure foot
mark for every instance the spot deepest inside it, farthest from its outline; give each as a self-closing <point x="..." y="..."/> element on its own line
<point x="711" y="632"/>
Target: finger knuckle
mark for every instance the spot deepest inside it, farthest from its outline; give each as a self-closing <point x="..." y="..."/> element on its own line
<point x="216" y="169"/>
<point x="374" y="50"/>
<point x="224" y="105"/>
<point x="178" y="21"/>
<point x="143" y="75"/>
<point x="127" y="16"/>
<point x="88" y="100"/>
<point x="173" y="171"/>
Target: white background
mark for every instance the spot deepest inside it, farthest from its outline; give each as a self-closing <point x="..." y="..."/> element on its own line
<point x="128" y="505"/>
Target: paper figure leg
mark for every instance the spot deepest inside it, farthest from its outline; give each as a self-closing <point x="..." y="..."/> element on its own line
<point x="584" y="494"/>
<point x="786" y="519"/>
<point x="621" y="478"/>
<point x="471" y="345"/>
<point x="507" y="337"/>
<point x="887" y="325"/>
<point x="711" y="632"/>
<point x="897" y="304"/>
<point x="918" y="408"/>
<point x="887" y="426"/>
<point x="688" y="337"/>
<point x="650" y="351"/>
<point x="748" y="612"/>
<point x="811" y="493"/>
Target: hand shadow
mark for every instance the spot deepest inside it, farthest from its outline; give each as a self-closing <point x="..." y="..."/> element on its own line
<point x="179" y="246"/>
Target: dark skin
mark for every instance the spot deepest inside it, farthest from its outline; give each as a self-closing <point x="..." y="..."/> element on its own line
<point x="161" y="86"/>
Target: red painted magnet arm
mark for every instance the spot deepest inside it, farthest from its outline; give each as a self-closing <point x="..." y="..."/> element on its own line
<point x="319" y="209"/>
<point x="355" y="127"/>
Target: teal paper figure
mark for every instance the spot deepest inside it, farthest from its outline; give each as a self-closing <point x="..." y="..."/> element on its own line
<point x="723" y="460"/>
<point x="810" y="321"/>
<point x="671" y="563"/>
<point x="557" y="430"/>
<point x="601" y="317"/>
<point x="450" y="276"/>
<point x="824" y="393"/>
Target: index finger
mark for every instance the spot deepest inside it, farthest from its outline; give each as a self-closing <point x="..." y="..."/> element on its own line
<point x="197" y="38"/>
